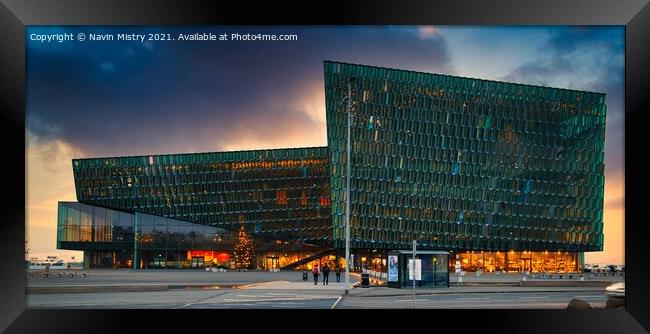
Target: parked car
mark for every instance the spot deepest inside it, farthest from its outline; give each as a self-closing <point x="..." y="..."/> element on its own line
<point x="595" y="268"/>
<point x="612" y="268"/>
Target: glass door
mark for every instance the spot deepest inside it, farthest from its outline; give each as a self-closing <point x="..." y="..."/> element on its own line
<point x="527" y="264"/>
<point x="272" y="262"/>
<point x="198" y="261"/>
<point x="158" y="262"/>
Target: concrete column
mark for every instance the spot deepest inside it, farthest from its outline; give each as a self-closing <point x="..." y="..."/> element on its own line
<point x="136" y="237"/>
<point x="580" y="261"/>
<point x="87" y="259"/>
<point x="483" y="262"/>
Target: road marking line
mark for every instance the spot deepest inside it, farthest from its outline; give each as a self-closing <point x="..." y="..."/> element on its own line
<point x="337" y="301"/>
<point x="477" y="298"/>
<point x="236" y="300"/>
<point x="534" y="297"/>
<point x="201" y="300"/>
<point x="289" y="303"/>
<point x="256" y="296"/>
<point x="410" y="300"/>
<point x="253" y="285"/>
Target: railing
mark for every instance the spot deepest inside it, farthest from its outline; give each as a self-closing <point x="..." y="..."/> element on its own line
<point x="31" y="274"/>
<point x="309" y="259"/>
<point x="571" y="275"/>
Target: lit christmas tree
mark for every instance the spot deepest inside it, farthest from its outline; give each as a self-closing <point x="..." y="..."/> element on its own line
<point x="244" y="250"/>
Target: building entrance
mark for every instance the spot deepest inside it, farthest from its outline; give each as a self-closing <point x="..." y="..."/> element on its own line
<point x="526" y="264"/>
<point x="198" y="262"/>
<point x="272" y="262"/>
<point x="158" y="262"/>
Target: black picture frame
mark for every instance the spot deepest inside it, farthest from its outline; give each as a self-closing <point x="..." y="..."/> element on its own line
<point x="16" y="14"/>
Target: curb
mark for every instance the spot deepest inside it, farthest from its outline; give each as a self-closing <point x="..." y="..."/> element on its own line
<point x="123" y="288"/>
<point x="558" y="283"/>
<point x="204" y="286"/>
<point x="469" y="292"/>
<point x="251" y="285"/>
<point x="93" y="288"/>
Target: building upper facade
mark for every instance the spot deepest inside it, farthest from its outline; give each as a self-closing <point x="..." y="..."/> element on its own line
<point x="279" y="193"/>
<point x="461" y="163"/>
<point x="456" y="163"/>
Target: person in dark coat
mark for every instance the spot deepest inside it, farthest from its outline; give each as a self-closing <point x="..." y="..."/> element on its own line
<point x="338" y="273"/>
<point x="315" y="271"/>
<point x="326" y="274"/>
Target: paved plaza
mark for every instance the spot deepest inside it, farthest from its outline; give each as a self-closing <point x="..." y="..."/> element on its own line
<point x="202" y="277"/>
<point x="166" y="276"/>
<point x="170" y="289"/>
<point x="299" y="295"/>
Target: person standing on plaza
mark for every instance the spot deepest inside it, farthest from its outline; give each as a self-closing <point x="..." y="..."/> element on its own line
<point x="337" y="270"/>
<point x="326" y="274"/>
<point x="315" y="271"/>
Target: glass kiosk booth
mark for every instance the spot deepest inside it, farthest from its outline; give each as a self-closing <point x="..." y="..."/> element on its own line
<point x="434" y="269"/>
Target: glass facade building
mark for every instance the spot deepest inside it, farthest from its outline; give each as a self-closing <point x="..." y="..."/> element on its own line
<point x="281" y="197"/>
<point x="465" y="164"/>
<point x="274" y="193"/>
<point x="509" y="171"/>
<point x="119" y="239"/>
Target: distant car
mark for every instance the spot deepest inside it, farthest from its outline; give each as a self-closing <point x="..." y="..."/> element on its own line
<point x="599" y="269"/>
<point x="616" y="290"/>
<point x="595" y="268"/>
<point x="612" y="268"/>
<point x="615" y="295"/>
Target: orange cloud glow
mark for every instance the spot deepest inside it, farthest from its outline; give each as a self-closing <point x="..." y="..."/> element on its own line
<point x="49" y="180"/>
<point x="428" y="32"/>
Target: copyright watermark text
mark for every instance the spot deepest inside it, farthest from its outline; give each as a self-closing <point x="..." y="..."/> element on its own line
<point x="160" y="37"/>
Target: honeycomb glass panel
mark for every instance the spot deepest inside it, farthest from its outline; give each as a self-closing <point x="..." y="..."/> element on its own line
<point x="502" y="157"/>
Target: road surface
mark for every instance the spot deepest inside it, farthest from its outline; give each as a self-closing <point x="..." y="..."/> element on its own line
<point x="261" y="298"/>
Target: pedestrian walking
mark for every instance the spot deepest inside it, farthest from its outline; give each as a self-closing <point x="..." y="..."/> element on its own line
<point x="315" y="271"/>
<point x="326" y="274"/>
<point x="338" y="273"/>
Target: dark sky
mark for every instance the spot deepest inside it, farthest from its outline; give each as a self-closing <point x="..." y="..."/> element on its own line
<point x="124" y="98"/>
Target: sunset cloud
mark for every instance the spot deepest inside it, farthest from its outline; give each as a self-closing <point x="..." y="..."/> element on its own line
<point x="49" y="180"/>
<point x="427" y="32"/>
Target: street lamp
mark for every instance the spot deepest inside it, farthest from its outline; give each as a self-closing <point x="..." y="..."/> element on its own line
<point x="347" y="189"/>
<point x="137" y="248"/>
<point x="179" y="252"/>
